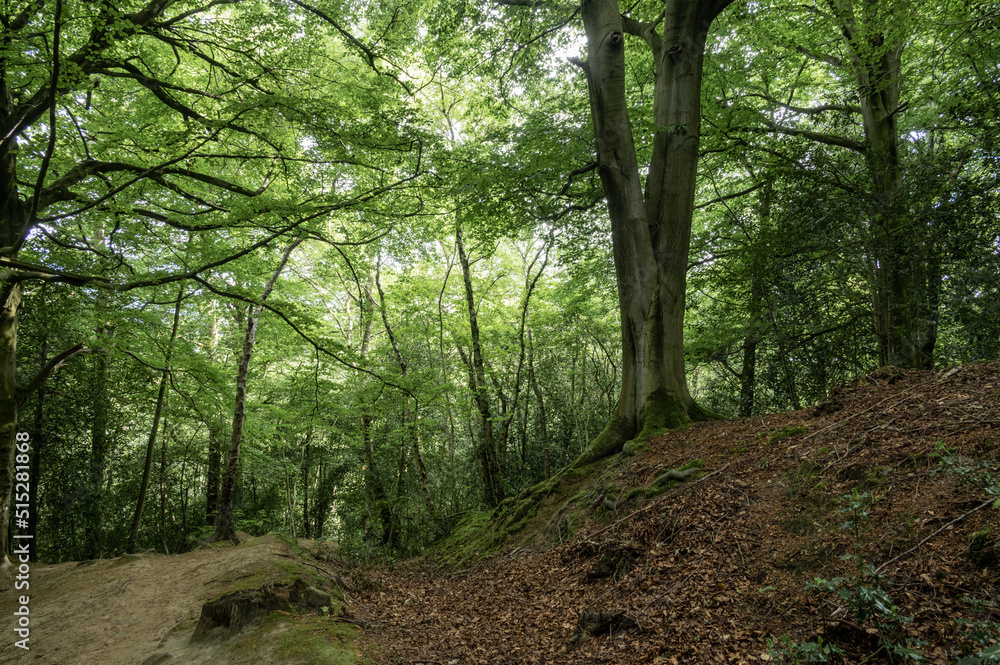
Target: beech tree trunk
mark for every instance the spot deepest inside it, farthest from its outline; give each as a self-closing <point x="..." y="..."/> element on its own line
<point x="650" y="232"/>
<point x="225" y="522"/>
<point x="94" y="505"/>
<point x="877" y="74"/>
<point x="542" y="424"/>
<point x="213" y="472"/>
<point x="408" y="417"/>
<point x="10" y="300"/>
<point x="903" y="295"/>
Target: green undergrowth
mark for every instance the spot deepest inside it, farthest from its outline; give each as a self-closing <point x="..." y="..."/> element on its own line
<point x="310" y="639"/>
<point x="543" y="513"/>
<point x="548" y="513"/>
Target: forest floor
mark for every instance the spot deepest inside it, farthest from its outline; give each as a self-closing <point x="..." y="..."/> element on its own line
<point x="711" y="569"/>
<point x="144" y="609"/>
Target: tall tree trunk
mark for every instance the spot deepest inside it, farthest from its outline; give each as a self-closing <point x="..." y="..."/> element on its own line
<point x="37" y="446"/>
<point x="163" y="490"/>
<point x="895" y="292"/>
<point x="157" y="412"/>
<point x="225" y="523"/>
<point x="94" y="529"/>
<point x="375" y="488"/>
<point x="748" y="372"/>
<point x="650" y="233"/>
<point x="486" y="452"/>
<point x="409" y="419"/>
<point x="216" y="430"/>
<point x="444" y="380"/>
<point x="543" y="426"/>
<point x="306" y="461"/>
<point x="904" y="335"/>
<point x="10" y="301"/>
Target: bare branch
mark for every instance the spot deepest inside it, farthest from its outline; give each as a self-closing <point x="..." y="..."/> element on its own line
<point x="818" y="137"/>
<point x="811" y="110"/>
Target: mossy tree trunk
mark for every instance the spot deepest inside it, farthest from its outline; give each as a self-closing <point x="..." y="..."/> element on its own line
<point x="651" y="230"/>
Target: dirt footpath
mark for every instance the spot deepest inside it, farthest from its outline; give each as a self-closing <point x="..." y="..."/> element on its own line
<point x="142" y="610"/>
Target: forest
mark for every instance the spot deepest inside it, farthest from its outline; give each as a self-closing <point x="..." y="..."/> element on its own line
<point x="351" y="270"/>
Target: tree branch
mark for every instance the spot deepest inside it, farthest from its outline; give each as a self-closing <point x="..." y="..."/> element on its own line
<point x="368" y="53"/>
<point x="43" y="374"/>
<point x="812" y="110"/>
<point x="820" y="57"/>
<point x="645" y="31"/>
<point x="818" y="137"/>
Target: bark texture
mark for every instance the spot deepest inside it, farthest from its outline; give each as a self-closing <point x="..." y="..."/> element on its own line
<point x="651" y="230"/>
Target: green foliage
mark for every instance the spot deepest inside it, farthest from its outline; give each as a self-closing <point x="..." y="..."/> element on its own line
<point x="182" y="163"/>
<point x="864" y="594"/>
<point x="786" y="650"/>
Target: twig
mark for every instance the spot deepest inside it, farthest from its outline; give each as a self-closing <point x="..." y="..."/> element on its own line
<point x="946" y="526"/>
<point x="861" y="413"/>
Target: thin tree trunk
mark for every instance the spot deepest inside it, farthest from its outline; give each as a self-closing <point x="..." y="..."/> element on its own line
<point x="94" y="530"/>
<point x="157" y="412"/>
<point x="163" y="489"/>
<point x="409" y="421"/>
<point x="215" y="431"/>
<point x="543" y="426"/>
<point x="225" y="525"/>
<point x="444" y="379"/>
<point x="486" y="453"/>
<point x="306" y="461"/>
<point x="748" y="372"/>
<point x="37" y="446"/>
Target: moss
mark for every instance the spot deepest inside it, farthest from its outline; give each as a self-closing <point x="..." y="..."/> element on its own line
<point x="983" y="549"/>
<point x="803" y="478"/>
<point x="474" y="537"/>
<point x="610" y="441"/>
<point x="292" y="543"/>
<point x="580" y="472"/>
<point x="873" y="479"/>
<point x="700" y="414"/>
<point x="661" y="414"/>
<point x="785" y="432"/>
<point x="300" y="640"/>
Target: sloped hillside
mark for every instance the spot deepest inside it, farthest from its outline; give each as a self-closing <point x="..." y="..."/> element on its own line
<point x="147" y="609"/>
<point x="865" y="525"/>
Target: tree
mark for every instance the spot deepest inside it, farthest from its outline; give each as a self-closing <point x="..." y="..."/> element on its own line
<point x="883" y="110"/>
<point x="126" y="130"/>
<point x="651" y="229"/>
<point x="225" y="522"/>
